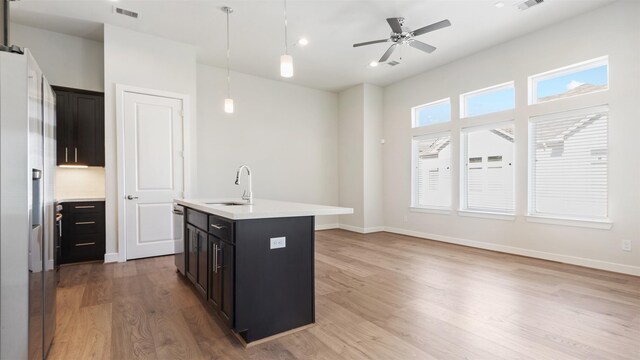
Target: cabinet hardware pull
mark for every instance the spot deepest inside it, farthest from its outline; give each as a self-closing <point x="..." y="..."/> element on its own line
<point x="76" y="154"/>
<point x="178" y="212"/>
<point x="66" y="154"/>
<point x="85" y="207"/>
<point x="215" y="258"/>
<point x="219" y="227"/>
<point x="86" y="244"/>
<point x="218" y="249"/>
<point x="60" y="228"/>
<point x="85" y="222"/>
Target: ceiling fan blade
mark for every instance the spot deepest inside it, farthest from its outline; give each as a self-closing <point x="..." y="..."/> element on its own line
<point x="422" y="46"/>
<point x="432" y="27"/>
<point x="370" y="42"/>
<point x="388" y="53"/>
<point x="395" y="25"/>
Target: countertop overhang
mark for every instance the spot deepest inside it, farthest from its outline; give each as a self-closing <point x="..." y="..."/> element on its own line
<point x="260" y="209"/>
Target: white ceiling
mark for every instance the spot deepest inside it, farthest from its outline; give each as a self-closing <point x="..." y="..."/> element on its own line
<point x="329" y="62"/>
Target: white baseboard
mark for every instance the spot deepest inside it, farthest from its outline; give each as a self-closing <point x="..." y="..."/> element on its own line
<point x="362" y="230"/>
<point x="111" y="257"/>
<point x="327" y="226"/>
<point x="49" y="264"/>
<point x="591" y="263"/>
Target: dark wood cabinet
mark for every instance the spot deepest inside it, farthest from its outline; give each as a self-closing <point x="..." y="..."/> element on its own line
<point x="203" y="261"/>
<point x="221" y="276"/>
<point x="191" y="253"/>
<point x="83" y="232"/>
<point x="257" y="287"/>
<point x="80" y="127"/>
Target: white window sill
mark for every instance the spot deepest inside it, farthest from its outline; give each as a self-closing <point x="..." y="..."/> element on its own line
<point x="430" y="210"/>
<point x="487" y="215"/>
<point x="588" y="223"/>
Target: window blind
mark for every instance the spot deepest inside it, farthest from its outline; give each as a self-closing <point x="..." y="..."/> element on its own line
<point x="432" y="171"/>
<point x="489" y="170"/>
<point x="568" y="168"/>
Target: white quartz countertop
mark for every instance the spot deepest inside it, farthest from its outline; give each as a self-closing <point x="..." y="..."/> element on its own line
<point x="260" y="209"/>
<point x="79" y="199"/>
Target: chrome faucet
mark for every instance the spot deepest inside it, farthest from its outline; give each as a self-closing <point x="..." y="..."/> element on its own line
<point x="245" y="196"/>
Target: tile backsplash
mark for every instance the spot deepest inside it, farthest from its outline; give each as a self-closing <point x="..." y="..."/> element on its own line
<point x="80" y="183"/>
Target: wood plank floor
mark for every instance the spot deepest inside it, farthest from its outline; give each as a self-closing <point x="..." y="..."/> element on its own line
<point x="378" y="296"/>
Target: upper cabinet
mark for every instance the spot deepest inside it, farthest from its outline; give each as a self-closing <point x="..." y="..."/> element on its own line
<point x="80" y="127"/>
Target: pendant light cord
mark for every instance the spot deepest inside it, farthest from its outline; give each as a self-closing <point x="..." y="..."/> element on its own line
<point x="286" y="41"/>
<point x="228" y="52"/>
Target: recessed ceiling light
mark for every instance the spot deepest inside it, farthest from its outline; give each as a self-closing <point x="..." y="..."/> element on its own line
<point x="303" y="41"/>
<point x="499" y="4"/>
<point x="373" y="64"/>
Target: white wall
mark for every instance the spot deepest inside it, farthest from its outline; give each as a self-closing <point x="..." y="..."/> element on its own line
<point x="145" y="61"/>
<point x="285" y="133"/>
<point x="351" y="162"/>
<point x="613" y="30"/>
<point x="373" y="165"/>
<point x="360" y="132"/>
<point x="66" y="60"/>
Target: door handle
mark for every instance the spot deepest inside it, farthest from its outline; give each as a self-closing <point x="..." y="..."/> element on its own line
<point x="131" y="197"/>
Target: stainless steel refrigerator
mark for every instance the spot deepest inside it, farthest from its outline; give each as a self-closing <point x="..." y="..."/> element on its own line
<point x="28" y="270"/>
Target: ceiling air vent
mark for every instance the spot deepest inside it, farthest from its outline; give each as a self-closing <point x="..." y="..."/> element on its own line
<point x="125" y="12"/>
<point x="393" y="63"/>
<point x="524" y="5"/>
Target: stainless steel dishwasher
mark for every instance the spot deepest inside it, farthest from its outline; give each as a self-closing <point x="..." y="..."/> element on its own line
<point x="178" y="237"/>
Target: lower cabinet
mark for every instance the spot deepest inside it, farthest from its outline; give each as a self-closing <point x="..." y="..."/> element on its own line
<point x="83" y="232"/>
<point x="197" y="257"/>
<point x="221" y="285"/>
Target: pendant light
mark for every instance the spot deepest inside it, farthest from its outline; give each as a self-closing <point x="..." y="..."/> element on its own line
<point x="286" y="60"/>
<point x="228" y="102"/>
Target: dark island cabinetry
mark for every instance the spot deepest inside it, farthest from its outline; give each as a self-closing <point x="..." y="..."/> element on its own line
<point x="257" y="274"/>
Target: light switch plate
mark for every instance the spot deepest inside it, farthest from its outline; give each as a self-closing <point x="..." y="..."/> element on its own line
<point x="278" y="242"/>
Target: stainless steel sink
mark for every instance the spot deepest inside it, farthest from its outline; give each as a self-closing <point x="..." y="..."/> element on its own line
<point x="229" y="203"/>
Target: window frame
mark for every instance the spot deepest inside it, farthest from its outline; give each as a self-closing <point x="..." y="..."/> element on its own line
<point x="532" y="81"/>
<point x="414" y="205"/>
<point x="464" y="96"/>
<point x="463" y="210"/>
<point x="414" y="109"/>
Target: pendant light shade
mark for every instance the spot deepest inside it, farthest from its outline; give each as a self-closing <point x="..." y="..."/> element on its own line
<point x="228" y="102"/>
<point x="228" y="106"/>
<point x="286" y="66"/>
<point x="286" y="60"/>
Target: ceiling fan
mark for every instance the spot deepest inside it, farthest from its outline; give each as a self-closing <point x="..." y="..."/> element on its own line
<point x="401" y="35"/>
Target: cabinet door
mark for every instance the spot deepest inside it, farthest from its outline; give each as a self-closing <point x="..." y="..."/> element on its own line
<point x="191" y="253"/>
<point x="64" y="127"/>
<point x="215" y="283"/>
<point x="89" y="129"/>
<point x="227" y="252"/>
<point x="203" y="261"/>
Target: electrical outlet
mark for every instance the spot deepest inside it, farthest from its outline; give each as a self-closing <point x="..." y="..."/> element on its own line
<point x="626" y="245"/>
<point x="278" y="243"/>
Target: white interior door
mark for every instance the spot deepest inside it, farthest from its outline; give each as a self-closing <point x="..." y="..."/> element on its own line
<point x="154" y="172"/>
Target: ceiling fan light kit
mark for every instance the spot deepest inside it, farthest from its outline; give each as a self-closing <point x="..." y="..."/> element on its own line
<point x="402" y="35"/>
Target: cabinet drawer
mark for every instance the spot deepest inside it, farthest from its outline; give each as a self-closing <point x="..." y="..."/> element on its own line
<point x="84" y="207"/>
<point x="197" y="219"/>
<point x="220" y="227"/>
<point x="84" y="224"/>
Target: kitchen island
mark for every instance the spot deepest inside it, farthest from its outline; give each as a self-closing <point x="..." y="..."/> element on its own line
<point x="254" y="264"/>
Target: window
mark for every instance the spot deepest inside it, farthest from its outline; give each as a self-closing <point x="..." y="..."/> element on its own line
<point x="486" y="101"/>
<point x="488" y="153"/>
<point x="568" y="164"/>
<point x="587" y="77"/>
<point x="432" y="171"/>
<point x="433" y="113"/>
